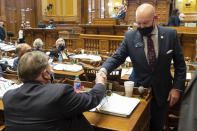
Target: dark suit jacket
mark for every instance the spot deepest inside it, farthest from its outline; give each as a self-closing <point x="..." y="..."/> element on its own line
<point x="174" y="21"/>
<point x="2" y="34"/>
<point x="55" y="53"/>
<point x="50" y="107"/>
<point x="188" y="115"/>
<point x="159" y="78"/>
<point x="121" y="14"/>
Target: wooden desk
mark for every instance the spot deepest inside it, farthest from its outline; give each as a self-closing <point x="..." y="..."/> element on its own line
<point x="138" y="121"/>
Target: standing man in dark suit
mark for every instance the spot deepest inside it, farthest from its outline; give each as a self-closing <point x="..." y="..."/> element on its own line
<point x="151" y="49"/>
<point x="2" y="31"/>
<point x="188" y="115"/>
<point x="39" y="105"/>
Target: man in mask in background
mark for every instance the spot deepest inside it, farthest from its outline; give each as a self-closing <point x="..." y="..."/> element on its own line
<point x="151" y="49"/>
<point x="60" y="50"/>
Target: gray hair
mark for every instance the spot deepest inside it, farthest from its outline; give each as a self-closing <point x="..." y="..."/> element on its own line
<point x="58" y="40"/>
<point x="38" y="43"/>
<point x="31" y="65"/>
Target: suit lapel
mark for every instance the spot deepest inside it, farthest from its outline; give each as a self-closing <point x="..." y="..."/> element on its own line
<point x="161" y="43"/>
<point x="139" y="46"/>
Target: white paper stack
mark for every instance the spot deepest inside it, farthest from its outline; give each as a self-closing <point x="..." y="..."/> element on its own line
<point x="6" y="85"/>
<point x="66" y="67"/>
<point x="89" y="57"/>
<point x="117" y="105"/>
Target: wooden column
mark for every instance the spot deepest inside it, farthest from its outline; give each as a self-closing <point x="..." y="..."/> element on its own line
<point x="84" y="11"/>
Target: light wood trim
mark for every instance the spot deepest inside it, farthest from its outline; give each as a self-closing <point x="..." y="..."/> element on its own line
<point x="2" y="15"/>
<point x="103" y="37"/>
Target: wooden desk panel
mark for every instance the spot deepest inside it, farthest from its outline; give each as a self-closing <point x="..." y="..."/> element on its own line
<point x="138" y="121"/>
<point x="104" y="29"/>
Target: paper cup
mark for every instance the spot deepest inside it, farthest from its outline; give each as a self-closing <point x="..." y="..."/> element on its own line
<point x="128" y="88"/>
<point x="82" y="51"/>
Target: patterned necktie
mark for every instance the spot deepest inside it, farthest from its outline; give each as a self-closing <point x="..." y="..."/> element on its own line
<point x="151" y="52"/>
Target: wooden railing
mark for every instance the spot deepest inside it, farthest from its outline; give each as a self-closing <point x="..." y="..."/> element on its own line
<point x="101" y="43"/>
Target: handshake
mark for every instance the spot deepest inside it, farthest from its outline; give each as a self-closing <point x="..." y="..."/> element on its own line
<point x="101" y="77"/>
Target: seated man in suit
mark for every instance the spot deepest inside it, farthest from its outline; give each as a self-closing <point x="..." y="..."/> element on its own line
<point x="60" y="50"/>
<point x="51" y="25"/>
<point x="39" y="105"/>
<point x="21" y="49"/>
<point x="122" y="12"/>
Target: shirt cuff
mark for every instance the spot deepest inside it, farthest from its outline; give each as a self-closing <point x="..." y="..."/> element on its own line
<point x="104" y="70"/>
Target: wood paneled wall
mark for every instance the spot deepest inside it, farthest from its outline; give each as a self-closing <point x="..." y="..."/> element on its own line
<point x="2" y="10"/>
<point x="10" y="12"/>
<point x="162" y="8"/>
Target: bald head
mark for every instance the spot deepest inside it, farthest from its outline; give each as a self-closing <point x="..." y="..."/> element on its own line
<point x="145" y="10"/>
<point x="145" y="15"/>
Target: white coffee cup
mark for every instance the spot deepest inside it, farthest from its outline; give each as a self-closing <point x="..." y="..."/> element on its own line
<point x="82" y="51"/>
<point x="128" y="88"/>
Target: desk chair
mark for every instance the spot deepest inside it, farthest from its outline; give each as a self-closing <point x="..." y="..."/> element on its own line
<point x="173" y="116"/>
<point x="10" y="35"/>
<point x="115" y="75"/>
<point x="10" y="76"/>
<point x="10" y="71"/>
<point x="90" y="73"/>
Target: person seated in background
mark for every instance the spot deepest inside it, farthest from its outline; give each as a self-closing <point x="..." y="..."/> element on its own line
<point x="60" y="50"/>
<point x="38" y="44"/>
<point x="174" y="18"/>
<point x="21" y="49"/>
<point x="2" y="32"/>
<point x="39" y="105"/>
<point x="51" y="25"/>
<point x="21" y="38"/>
<point x="122" y="12"/>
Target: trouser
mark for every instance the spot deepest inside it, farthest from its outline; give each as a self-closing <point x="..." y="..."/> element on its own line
<point x="158" y="116"/>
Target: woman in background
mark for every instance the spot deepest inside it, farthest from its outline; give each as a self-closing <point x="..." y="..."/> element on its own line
<point x="38" y="44"/>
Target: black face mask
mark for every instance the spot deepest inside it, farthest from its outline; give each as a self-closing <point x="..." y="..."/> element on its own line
<point x="145" y="31"/>
<point x="52" y="75"/>
<point x="61" y="47"/>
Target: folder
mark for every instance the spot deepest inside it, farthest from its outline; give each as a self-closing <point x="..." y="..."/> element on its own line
<point x="117" y="105"/>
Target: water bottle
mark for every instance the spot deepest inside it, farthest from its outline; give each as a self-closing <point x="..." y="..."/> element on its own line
<point x="1" y="72"/>
<point x="77" y="83"/>
<point x="60" y="58"/>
